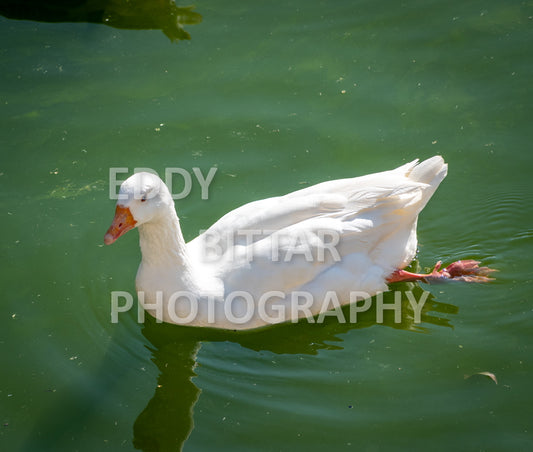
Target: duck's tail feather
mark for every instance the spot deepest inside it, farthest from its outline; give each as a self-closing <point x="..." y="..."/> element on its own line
<point x="431" y="171"/>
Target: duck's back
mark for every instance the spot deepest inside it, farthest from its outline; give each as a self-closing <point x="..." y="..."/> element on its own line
<point x="374" y="218"/>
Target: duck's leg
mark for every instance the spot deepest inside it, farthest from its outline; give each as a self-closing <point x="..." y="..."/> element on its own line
<point x="468" y="270"/>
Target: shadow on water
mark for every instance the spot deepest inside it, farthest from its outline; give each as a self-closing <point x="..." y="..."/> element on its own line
<point x="167" y="420"/>
<point x="161" y="15"/>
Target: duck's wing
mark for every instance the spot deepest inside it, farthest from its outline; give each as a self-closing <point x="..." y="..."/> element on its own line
<point x="373" y="217"/>
<point x="412" y="183"/>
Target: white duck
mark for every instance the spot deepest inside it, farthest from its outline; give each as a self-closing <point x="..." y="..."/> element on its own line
<point x="281" y="258"/>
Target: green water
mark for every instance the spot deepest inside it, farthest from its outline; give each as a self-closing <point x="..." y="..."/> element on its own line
<point x="276" y="95"/>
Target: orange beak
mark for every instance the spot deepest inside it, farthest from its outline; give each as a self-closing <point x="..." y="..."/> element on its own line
<point x="121" y="224"/>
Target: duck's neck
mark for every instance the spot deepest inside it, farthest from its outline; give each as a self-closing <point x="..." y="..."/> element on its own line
<point x="163" y="247"/>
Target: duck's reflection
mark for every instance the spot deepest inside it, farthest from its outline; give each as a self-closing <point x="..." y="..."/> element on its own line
<point x="167" y="420"/>
<point x="161" y="15"/>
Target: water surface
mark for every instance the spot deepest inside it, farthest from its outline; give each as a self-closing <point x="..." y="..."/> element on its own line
<point x="277" y="96"/>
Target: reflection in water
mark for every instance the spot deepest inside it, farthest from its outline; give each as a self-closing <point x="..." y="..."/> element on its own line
<point x="167" y="420"/>
<point x="161" y="15"/>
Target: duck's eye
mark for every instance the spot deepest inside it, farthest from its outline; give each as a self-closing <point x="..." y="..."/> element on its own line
<point x="143" y="198"/>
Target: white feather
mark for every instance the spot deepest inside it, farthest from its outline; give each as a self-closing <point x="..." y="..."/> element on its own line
<point x="283" y="246"/>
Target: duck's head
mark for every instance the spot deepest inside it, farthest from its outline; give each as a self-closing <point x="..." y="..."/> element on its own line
<point x="142" y="198"/>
